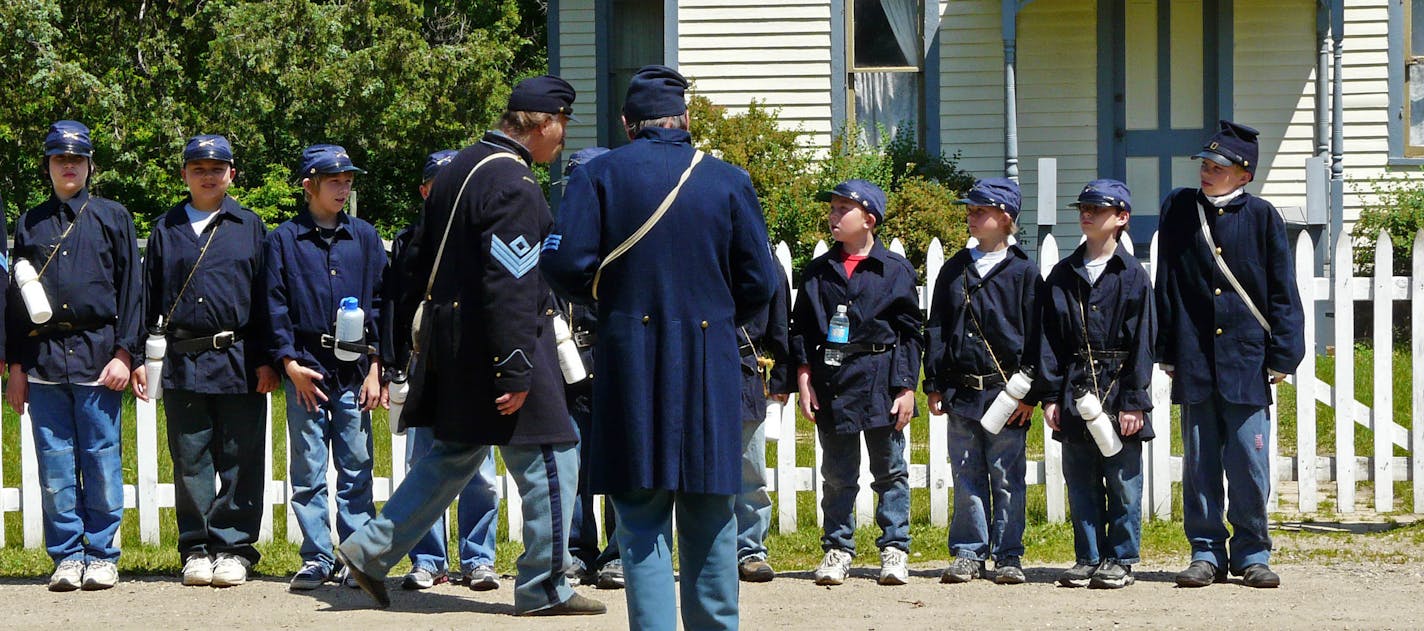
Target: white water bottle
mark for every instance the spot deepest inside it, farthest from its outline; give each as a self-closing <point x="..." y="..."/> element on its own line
<point x="350" y="327"/>
<point x="1090" y="409"/>
<point x="400" y="388"/>
<point x="837" y="336"/>
<point x="36" y="302"/>
<point x="570" y="362"/>
<point x="997" y="416"/>
<point x="155" y="348"/>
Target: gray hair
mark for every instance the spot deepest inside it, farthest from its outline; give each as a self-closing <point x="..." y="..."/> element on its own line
<point x="671" y="122"/>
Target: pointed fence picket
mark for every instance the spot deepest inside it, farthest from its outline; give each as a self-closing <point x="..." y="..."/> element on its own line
<point x="1308" y="466"/>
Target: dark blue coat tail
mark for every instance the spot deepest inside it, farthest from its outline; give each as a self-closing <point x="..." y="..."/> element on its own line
<point x="1206" y="332"/>
<point x="667" y="397"/>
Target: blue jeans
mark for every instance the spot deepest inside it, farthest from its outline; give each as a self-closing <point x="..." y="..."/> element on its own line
<point x="546" y="476"/>
<point x="340" y="427"/>
<point x="219" y="437"/>
<point x="840" y="470"/>
<point x="77" y="436"/>
<point x="476" y="514"/>
<point x="583" y="530"/>
<point x="753" y="503"/>
<point x="1217" y="438"/>
<point x="1105" y="495"/>
<point x="707" y="551"/>
<point x="989" y="484"/>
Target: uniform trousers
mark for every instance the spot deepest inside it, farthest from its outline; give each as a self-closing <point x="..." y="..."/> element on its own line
<point x="707" y="551"/>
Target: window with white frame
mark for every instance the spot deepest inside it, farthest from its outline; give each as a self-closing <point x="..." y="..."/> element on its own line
<point x="886" y="49"/>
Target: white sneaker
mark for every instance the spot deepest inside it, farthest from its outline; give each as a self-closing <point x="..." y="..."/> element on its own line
<point x="892" y="567"/>
<point x="198" y="570"/>
<point x="834" y="568"/>
<point x="229" y="570"/>
<point x="67" y="576"/>
<point x="100" y="575"/>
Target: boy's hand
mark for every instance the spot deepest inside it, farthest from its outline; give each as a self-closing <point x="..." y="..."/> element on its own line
<point x="510" y="402"/>
<point x="370" y="395"/>
<point x="17" y="392"/>
<point x="304" y="383"/>
<point x="1022" y="415"/>
<point x="1131" y="422"/>
<point x="1050" y="415"/>
<point x="139" y="382"/>
<point x="267" y="379"/>
<point x="781" y="397"/>
<point x="903" y="409"/>
<point x="115" y="375"/>
<point x="809" y="404"/>
<point x="935" y="401"/>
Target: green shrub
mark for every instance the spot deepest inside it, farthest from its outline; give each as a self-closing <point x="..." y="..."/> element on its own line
<point x="920" y="211"/>
<point x="1399" y="210"/>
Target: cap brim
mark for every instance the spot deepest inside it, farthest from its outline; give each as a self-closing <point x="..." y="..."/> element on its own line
<point x="825" y="196"/>
<point x="68" y="151"/>
<point x="1214" y="157"/>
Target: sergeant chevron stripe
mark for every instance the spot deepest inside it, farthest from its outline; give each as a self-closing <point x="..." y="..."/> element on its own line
<point x="517" y="256"/>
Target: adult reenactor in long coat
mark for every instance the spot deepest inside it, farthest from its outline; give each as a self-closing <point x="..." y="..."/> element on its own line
<point x="1231" y="323"/>
<point x="493" y="378"/>
<point x="666" y="407"/>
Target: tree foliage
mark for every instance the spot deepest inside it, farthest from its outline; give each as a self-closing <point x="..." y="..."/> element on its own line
<point x="391" y="80"/>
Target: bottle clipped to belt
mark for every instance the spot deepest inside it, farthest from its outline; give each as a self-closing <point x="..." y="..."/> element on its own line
<point x="155" y="348"/>
<point x="837" y="336"/>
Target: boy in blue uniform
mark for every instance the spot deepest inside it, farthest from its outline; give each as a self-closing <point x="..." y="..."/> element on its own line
<point x="203" y="278"/>
<point x="602" y="568"/>
<point x="72" y="368"/>
<point x="1097" y="337"/>
<point x="871" y="392"/>
<point x="1231" y="323"/>
<point x="766" y="374"/>
<point x="981" y="329"/>
<point x="314" y="260"/>
<point x="478" y="507"/>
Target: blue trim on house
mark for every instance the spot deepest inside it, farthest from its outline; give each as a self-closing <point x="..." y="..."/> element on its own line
<point x="1111" y="156"/>
<point x="602" y="14"/>
<point x="1164" y="102"/>
<point x="1396" y="88"/>
<point x="670" y="44"/>
<point x="930" y="83"/>
<point x="551" y="25"/>
<point x="1224" y="81"/>
<point x="838" y="67"/>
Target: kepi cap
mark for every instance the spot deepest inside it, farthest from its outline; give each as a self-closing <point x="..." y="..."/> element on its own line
<point x="325" y="160"/>
<point x="997" y="192"/>
<point x="68" y="137"/>
<point x="1105" y="192"/>
<point x="436" y="161"/>
<point x="207" y="147"/>
<point x="1232" y="144"/>
<point x="548" y="94"/>
<point x="863" y="192"/>
<point x="655" y="92"/>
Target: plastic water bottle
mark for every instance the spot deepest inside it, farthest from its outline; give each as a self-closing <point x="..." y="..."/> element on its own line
<point x="570" y="362"/>
<point x="36" y="302"/>
<point x="155" y="348"/>
<point x="997" y="416"/>
<point x="400" y="389"/>
<point x="1100" y="426"/>
<point x="350" y="327"/>
<point x="837" y="336"/>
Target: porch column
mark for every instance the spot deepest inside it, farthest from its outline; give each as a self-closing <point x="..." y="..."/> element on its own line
<point x="1009" y="10"/>
<point x="1337" y="144"/>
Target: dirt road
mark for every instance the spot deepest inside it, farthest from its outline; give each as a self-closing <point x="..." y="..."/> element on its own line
<point x="1368" y="596"/>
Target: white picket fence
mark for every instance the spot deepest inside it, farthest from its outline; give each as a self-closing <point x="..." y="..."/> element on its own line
<point x="1160" y="467"/>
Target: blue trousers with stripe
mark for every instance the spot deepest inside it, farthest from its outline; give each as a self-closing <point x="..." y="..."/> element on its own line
<point x="547" y="479"/>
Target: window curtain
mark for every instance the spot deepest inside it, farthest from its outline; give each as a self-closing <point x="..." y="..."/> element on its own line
<point x="904" y="17"/>
<point x="885" y="100"/>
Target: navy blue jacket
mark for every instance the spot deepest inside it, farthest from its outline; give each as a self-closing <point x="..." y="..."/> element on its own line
<point x="667" y="396"/>
<point x="1206" y="332"/>
<point x="1003" y="302"/>
<point x="496" y="337"/>
<point x="767" y="334"/>
<point x="1121" y="329"/>
<point x="305" y="282"/>
<point x="394" y="321"/>
<point x="93" y="284"/>
<point x="884" y="308"/>
<point x="225" y="294"/>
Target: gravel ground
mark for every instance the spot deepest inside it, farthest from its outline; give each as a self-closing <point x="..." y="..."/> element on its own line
<point x="1344" y="595"/>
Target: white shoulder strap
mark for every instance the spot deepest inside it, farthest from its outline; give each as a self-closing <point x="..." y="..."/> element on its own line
<point x="1226" y="271"/>
<point x="647" y="225"/>
<point x="454" y="208"/>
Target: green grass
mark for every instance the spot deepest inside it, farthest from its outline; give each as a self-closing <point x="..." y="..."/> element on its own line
<point x="1401" y="380"/>
<point x="1046" y="542"/>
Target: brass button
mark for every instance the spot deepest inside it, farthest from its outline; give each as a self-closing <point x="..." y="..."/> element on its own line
<point x="496" y="359"/>
<point x="1218" y="331"/>
<point x="333" y="272"/>
<point x="1095" y="307"/>
<point x="647" y="319"/>
<point x="1218" y="250"/>
<point x="64" y="306"/>
<point x="1220" y="212"/>
<point x="456" y="304"/>
<point x="1218" y="291"/>
<point x="704" y="324"/>
<point x="200" y="299"/>
<point x="498" y="374"/>
<point x="548" y="312"/>
<point x="64" y="253"/>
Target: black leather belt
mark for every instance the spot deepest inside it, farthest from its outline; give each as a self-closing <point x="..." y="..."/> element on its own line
<point x="62" y="327"/>
<point x="1103" y="355"/>
<point x="865" y="349"/>
<point x="185" y="341"/>
<point x="329" y="341"/>
<point x="978" y="382"/>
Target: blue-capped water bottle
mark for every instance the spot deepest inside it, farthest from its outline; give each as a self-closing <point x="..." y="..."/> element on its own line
<point x="837" y="336"/>
<point x="350" y="327"/>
